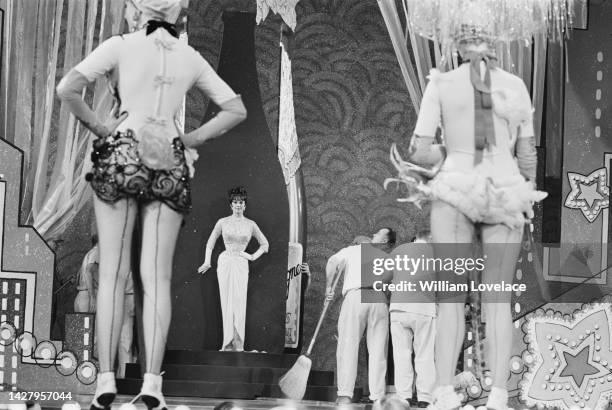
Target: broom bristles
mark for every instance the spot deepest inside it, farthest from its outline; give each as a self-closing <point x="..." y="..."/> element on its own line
<point x="293" y="383"/>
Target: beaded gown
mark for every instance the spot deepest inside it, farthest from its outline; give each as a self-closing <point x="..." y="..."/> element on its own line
<point x="233" y="272"/>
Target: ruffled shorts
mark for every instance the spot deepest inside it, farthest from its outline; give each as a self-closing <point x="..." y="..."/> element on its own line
<point x="118" y="173"/>
<point x="486" y="200"/>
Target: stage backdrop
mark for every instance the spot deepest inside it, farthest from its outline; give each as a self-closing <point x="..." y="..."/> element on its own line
<point x="350" y="103"/>
<point x="244" y="156"/>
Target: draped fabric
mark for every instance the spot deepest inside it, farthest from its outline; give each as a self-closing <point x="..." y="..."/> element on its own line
<point x="288" y="148"/>
<point x="286" y="9"/>
<point x="48" y="38"/>
<point x="417" y="55"/>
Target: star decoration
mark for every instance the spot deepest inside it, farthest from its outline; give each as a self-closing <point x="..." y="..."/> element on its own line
<point x="577" y="366"/>
<point x="589" y="193"/>
<point x="572" y="360"/>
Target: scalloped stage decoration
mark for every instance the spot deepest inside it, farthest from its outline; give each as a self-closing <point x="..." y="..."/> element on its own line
<point x="571" y="364"/>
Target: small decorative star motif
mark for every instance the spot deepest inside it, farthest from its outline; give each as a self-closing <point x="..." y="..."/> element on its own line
<point x="572" y="360"/>
<point x="589" y="193"/>
<point x="577" y="366"/>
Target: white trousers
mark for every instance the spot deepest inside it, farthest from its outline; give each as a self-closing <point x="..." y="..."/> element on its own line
<point x="354" y="318"/>
<point x="408" y="330"/>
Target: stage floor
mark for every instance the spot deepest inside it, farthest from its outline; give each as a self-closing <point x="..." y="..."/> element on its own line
<point x="196" y="403"/>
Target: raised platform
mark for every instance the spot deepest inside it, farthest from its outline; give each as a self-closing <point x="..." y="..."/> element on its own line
<point x="229" y="375"/>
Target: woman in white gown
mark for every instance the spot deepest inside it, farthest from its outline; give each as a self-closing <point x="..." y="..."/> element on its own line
<point x="233" y="266"/>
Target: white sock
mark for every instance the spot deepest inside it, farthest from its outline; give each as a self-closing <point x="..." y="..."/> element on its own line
<point x="498" y="399"/>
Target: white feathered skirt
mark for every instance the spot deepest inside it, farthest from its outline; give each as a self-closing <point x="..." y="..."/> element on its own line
<point x="483" y="199"/>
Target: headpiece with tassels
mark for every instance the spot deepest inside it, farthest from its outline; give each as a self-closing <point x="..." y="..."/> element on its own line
<point x="450" y="21"/>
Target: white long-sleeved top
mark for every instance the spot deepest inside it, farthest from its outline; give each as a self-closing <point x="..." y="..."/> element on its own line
<point x="154" y="73"/>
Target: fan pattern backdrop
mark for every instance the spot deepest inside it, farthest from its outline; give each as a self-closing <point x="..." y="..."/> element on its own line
<point x="351" y="103"/>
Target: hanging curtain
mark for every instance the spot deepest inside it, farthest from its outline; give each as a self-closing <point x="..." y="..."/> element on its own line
<point x="67" y="190"/>
<point x="285" y="8"/>
<point x="45" y="39"/>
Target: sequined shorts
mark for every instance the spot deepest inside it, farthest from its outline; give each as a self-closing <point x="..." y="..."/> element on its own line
<point x="118" y="173"/>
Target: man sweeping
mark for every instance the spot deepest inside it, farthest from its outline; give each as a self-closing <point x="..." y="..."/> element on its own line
<point x="363" y="308"/>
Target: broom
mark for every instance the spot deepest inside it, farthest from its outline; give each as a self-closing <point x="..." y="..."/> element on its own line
<point x="537" y="264"/>
<point x="293" y="383"/>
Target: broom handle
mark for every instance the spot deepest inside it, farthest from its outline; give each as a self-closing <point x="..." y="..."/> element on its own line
<point x="322" y="317"/>
<point x="544" y="289"/>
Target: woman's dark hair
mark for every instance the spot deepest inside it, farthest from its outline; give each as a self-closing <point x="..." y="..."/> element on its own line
<point x="236" y="192"/>
<point x="391" y="236"/>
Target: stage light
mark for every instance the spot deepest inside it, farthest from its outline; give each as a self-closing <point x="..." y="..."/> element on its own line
<point x="486" y="381"/>
<point x="66" y="363"/>
<point x="25" y="344"/>
<point x="7" y="333"/>
<point x="474" y="391"/>
<point x="45" y="351"/>
<point x="516" y="364"/>
<point x="86" y="372"/>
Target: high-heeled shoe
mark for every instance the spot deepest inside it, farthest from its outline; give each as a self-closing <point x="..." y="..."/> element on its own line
<point x="151" y="392"/>
<point x="105" y="391"/>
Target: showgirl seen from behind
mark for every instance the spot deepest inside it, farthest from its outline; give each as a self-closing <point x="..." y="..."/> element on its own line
<point x="142" y="165"/>
<point x="481" y="181"/>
